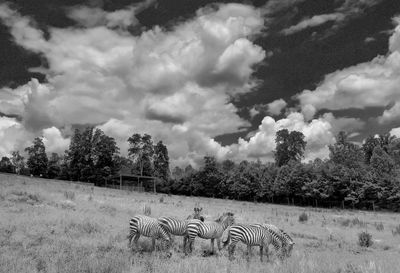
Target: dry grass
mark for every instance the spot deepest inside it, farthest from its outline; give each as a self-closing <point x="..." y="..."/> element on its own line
<point x="46" y="228"/>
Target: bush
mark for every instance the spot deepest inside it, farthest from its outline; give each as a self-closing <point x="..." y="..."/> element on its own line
<point x="365" y="239"/>
<point x="69" y="195"/>
<point x="303" y="217"/>
<point x="396" y="230"/>
<point x="379" y="226"/>
<point x="161" y="199"/>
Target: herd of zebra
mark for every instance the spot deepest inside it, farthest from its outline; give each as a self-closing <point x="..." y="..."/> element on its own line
<point x="224" y="230"/>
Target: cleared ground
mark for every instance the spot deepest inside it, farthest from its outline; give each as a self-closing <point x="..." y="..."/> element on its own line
<point x="55" y="226"/>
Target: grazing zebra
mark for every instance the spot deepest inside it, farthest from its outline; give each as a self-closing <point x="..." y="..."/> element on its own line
<point x="287" y="241"/>
<point x="178" y="227"/>
<point x="209" y="230"/>
<point x="251" y="235"/>
<point x="149" y="227"/>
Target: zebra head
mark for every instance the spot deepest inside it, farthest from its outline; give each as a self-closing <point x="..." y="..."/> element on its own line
<point x="227" y="219"/>
<point x="197" y="213"/>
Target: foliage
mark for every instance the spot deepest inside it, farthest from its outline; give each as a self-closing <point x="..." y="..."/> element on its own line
<point x="18" y="162"/>
<point x="303" y="217"/>
<point x="365" y="239"/>
<point x="345" y="153"/>
<point x="37" y="158"/>
<point x="141" y="150"/>
<point x="289" y="146"/>
<point x="6" y="166"/>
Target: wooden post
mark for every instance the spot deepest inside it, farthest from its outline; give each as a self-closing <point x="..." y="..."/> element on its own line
<point x="154" y="184"/>
<point x="342" y="204"/>
<point x="373" y="205"/>
<point x="120" y="181"/>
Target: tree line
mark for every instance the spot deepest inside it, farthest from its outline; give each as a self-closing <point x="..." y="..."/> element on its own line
<point x="354" y="176"/>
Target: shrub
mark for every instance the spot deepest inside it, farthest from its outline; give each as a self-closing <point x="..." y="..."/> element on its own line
<point x="161" y="199"/>
<point x="365" y="239"/>
<point x="303" y="217"/>
<point x="70" y="195"/>
<point x="379" y="226"/>
<point x="396" y="230"/>
<point x="147" y="209"/>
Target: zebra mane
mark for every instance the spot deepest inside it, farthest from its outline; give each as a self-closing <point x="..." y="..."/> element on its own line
<point x="224" y="216"/>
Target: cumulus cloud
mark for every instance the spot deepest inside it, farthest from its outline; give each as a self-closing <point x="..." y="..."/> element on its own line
<point x="395" y="132"/>
<point x="276" y="107"/>
<point x="174" y="85"/>
<point x="370" y="84"/>
<point x="318" y="134"/>
<point x="54" y="141"/>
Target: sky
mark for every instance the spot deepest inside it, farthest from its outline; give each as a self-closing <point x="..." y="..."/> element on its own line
<point x="206" y="78"/>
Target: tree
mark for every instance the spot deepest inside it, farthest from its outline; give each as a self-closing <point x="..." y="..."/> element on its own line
<point x="18" y="162"/>
<point x="381" y="161"/>
<point x="206" y="181"/>
<point x="368" y="147"/>
<point x="161" y="161"/>
<point x="345" y="153"/>
<point x="289" y="146"/>
<point x="6" y="166"/>
<point x="141" y="150"/>
<point x="37" y="158"/>
<point x="74" y="156"/>
<point x="54" y="166"/>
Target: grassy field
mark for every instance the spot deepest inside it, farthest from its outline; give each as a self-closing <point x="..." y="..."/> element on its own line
<point x="55" y="226"/>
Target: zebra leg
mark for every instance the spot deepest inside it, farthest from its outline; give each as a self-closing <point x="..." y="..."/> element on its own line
<point x="212" y="245"/>
<point x="231" y="250"/>
<point x="219" y="244"/>
<point x="153" y="244"/>
<point x="135" y="240"/>
<point x="184" y="243"/>
<point x="248" y="253"/>
<point x="261" y="252"/>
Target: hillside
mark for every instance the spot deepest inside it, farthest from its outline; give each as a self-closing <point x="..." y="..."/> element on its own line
<point x="56" y="226"/>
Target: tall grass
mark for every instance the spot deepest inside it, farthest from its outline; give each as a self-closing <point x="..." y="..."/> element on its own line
<point x="86" y="232"/>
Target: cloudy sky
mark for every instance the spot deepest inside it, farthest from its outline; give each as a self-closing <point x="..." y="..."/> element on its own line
<point x="206" y="78"/>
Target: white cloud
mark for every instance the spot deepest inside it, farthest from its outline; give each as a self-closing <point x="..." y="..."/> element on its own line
<point x="54" y="141"/>
<point x="318" y="134"/>
<point x="276" y="107"/>
<point x="395" y="132"/>
<point x="314" y="21"/>
<point x="370" y="84"/>
<point x="174" y="85"/>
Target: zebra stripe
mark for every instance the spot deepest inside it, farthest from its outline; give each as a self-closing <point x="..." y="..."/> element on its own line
<point x="251" y="235"/>
<point x="209" y="230"/>
<point x="148" y="227"/>
<point x="287" y="241"/>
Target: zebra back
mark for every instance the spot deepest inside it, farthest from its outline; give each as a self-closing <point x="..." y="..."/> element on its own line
<point x="249" y="234"/>
<point x="215" y="228"/>
<point x="173" y="225"/>
<point x="147" y="226"/>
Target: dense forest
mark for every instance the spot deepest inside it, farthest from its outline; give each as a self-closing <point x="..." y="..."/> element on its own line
<point x="353" y="176"/>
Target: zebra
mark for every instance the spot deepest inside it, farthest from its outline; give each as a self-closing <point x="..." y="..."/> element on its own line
<point x="209" y="230"/>
<point x="178" y="227"/>
<point x="287" y="241"/>
<point x="251" y="235"/>
<point x="197" y="213"/>
<point x="149" y="227"/>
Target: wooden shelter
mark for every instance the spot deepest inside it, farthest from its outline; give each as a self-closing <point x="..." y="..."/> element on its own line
<point x="132" y="182"/>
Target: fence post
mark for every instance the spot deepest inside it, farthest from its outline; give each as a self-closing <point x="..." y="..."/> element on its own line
<point x="120" y="181"/>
